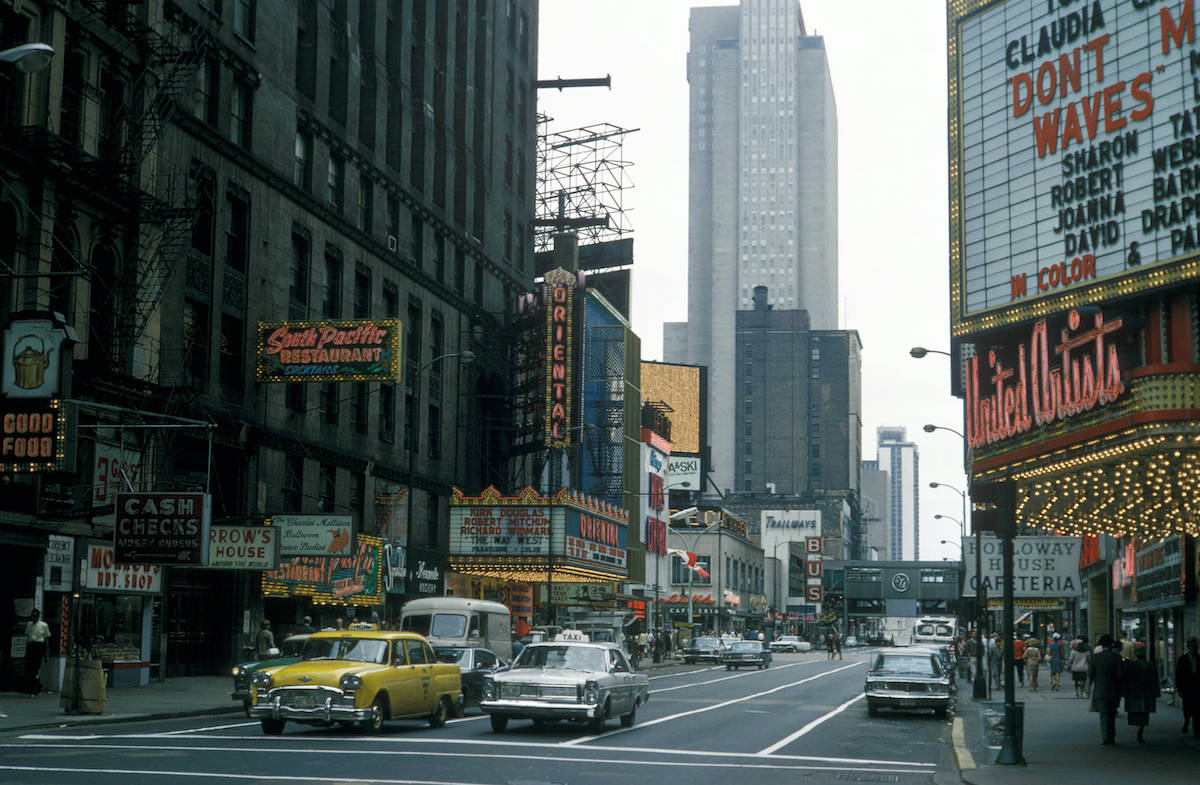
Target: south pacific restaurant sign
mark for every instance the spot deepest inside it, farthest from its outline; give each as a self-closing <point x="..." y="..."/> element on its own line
<point x="330" y="351"/>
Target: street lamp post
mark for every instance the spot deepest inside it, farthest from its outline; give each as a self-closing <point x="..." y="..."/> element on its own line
<point x="695" y="539"/>
<point x="655" y="614"/>
<point x="979" y="685"/>
<point x="28" y="58"/>
<point x="465" y="356"/>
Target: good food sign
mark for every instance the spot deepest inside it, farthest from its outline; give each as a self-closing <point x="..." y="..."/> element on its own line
<point x="1074" y="142"/>
<point x="342" y="351"/>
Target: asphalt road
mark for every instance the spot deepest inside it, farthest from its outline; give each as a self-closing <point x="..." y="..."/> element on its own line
<point x="802" y="719"/>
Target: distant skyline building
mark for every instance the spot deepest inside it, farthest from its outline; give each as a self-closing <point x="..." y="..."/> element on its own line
<point x="876" y="511"/>
<point x="762" y="201"/>
<point x="897" y="456"/>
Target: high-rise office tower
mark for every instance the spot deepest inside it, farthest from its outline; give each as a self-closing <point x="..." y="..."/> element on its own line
<point x="763" y="190"/>
<point x="898" y="457"/>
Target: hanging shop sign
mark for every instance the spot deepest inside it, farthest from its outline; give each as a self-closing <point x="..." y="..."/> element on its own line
<point x="394" y="569"/>
<point x="351" y="580"/>
<point x="32" y="435"/>
<point x="113" y="468"/>
<point x="1059" y="374"/>
<point x="684" y="471"/>
<point x="33" y="358"/>
<point x="314" y="535"/>
<point x="520" y="599"/>
<point x="361" y="350"/>
<point x="162" y="528"/>
<point x="656" y="460"/>
<point x="1160" y="573"/>
<point x="426" y="572"/>
<point x="60" y="555"/>
<point x="243" y="547"/>
<point x="100" y="571"/>
<point x="500" y="530"/>
<point x="1072" y="158"/>
<point x="582" y="593"/>
<point x="560" y="296"/>
<point x="1042" y="566"/>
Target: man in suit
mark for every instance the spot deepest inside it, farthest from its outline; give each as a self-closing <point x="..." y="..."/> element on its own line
<point x="1187" y="686"/>
<point x="1105" y="674"/>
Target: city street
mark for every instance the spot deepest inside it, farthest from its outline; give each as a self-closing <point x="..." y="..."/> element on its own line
<point x="803" y="716"/>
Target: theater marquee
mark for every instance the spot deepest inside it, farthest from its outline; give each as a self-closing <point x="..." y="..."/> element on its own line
<point x="1073" y="154"/>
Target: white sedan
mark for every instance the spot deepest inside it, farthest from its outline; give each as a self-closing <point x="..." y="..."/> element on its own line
<point x="790" y="643"/>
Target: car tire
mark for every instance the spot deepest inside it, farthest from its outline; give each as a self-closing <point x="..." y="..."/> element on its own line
<point x="246" y="706"/>
<point x="728" y="667"/>
<point x="940" y="712"/>
<point x="272" y="727"/>
<point x="872" y="710"/>
<point x="499" y="724"/>
<point x="374" y="723"/>
<point x="627" y="720"/>
<point x="761" y="666"/>
<point x="440" y="713"/>
<point x="596" y="724"/>
<point x="690" y="662"/>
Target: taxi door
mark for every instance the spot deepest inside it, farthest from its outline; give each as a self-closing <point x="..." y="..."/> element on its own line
<point x="421" y="659"/>
<point x="405" y="688"/>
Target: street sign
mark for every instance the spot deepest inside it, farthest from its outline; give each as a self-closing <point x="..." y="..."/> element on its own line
<point x="162" y="528"/>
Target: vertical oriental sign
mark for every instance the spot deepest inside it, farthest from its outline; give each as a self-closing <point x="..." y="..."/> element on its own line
<point x="560" y="297"/>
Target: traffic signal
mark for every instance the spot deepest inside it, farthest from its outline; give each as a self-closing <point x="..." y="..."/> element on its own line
<point x="994" y="507"/>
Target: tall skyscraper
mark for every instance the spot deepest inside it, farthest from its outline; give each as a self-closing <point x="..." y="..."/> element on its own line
<point x="763" y="190"/>
<point x="898" y="457"/>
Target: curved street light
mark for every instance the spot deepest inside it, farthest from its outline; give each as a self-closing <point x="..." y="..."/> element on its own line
<point x="28" y="58"/>
<point x="920" y="351"/>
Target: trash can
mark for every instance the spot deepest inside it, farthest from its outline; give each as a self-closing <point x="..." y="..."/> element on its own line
<point x="991" y="718"/>
<point x="83" y="689"/>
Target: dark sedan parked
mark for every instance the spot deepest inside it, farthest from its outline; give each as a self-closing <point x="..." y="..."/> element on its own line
<point x="475" y="664"/>
<point x="703" y="650"/>
<point x="746" y="653"/>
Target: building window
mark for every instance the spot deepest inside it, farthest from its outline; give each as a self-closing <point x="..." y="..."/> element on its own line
<point x="361" y="407"/>
<point x="391" y="300"/>
<point x="243" y="18"/>
<point x="208" y="81"/>
<point x="410" y="424"/>
<point x="814" y="469"/>
<point x="302" y="165"/>
<point x="206" y="208"/>
<point x="362" y="292"/>
<point x="387" y="412"/>
<point x="413" y="349"/>
<point x="298" y="276"/>
<point x="335" y="183"/>
<point x="233" y="355"/>
<point x="331" y="288"/>
<point x="241" y="105"/>
<point x="293" y="482"/>
<point x="358" y="495"/>
<point x="816" y="372"/>
<point x="431" y="519"/>
<point x="814" y="451"/>
<point x="296" y="399"/>
<point x="435" y="432"/>
<point x="329" y="403"/>
<point x="366" y="203"/>
<point x="237" y="238"/>
<point x="327" y="488"/>
<point x="680" y="574"/>
<point x="195" y="340"/>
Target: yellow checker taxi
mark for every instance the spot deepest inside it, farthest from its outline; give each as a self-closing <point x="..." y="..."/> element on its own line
<point x="358" y="677"/>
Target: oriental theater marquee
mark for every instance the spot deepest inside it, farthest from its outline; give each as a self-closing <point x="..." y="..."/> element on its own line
<point x="1074" y="137"/>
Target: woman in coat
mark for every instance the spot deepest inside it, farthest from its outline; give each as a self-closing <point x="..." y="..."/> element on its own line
<point x="1139" y="687"/>
<point x="1056" y="652"/>
<point x="1033" y="659"/>
<point x="1077" y="664"/>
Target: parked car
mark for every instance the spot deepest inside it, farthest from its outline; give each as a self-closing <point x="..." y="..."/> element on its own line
<point x="358" y="677"/>
<point x="703" y="650"/>
<point x="852" y="642"/>
<point x="746" y="653"/>
<point x="908" y="679"/>
<point x="566" y="680"/>
<point x="289" y="652"/>
<point x="789" y="643"/>
<point x="475" y="664"/>
<point x="945" y="656"/>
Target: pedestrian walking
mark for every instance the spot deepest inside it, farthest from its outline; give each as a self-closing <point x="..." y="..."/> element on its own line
<point x="972" y="652"/>
<point x="264" y="641"/>
<point x="37" y="632"/>
<point x="1033" y="662"/>
<point x="1105" y="672"/>
<point x="1080" y="659"/>
<point x="1187" y="686"/>
<point x="1019" y="657"/>
<point x="831" y="644"/>
<point x="1056" y="652"/>
<point x="1140" y="688"/>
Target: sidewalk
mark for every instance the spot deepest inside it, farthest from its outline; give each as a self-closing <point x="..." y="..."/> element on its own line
<point x="1061" y="744"/>
<point x="178" y="697"/>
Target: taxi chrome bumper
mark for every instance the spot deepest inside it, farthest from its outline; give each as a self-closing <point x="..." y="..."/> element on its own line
<point x="308" y="705"/>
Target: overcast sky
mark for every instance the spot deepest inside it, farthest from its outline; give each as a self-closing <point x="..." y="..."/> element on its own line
<point x="888" y="65"/>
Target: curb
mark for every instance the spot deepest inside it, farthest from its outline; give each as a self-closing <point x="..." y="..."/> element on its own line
<point x="70" y="720"/>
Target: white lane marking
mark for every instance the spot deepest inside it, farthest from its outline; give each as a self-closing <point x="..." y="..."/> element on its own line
<point x="623" y="751"/>
<point x="273" y="777"/>
<point x="714" y="681"/>
<point x="202" y="730"/>
<point x="713" y="707"/>
<point x="789" y="739"/>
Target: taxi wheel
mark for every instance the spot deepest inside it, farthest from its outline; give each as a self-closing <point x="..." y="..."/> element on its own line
<point x="374" y="723"/>
<point x="272" y="727"/>
<point x="499" y="724"/>
<point x="596" y="724"/>
<point x="438" y="718"/>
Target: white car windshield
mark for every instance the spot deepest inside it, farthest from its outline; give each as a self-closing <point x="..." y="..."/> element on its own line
<point x="908" y="665"/>
<point x="579" y="658"/>
<point x="357" y="649"/>
<point x="747" y="646"/>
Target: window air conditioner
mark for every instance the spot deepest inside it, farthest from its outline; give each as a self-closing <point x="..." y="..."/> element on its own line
<point x="391" y="243"/>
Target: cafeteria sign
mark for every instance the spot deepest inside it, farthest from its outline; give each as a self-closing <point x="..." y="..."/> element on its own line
<point x="362" y="350"/>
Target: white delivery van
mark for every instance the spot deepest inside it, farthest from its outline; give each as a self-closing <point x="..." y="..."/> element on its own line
<point x="457" y="621"/>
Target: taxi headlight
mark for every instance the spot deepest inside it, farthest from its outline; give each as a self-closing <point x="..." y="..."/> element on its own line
<point x="351" y="681"/>
<point x="237" y="670"/>
<point x="262" y="679"/>
<point x="489" y="689"/>
<point x="591" y="692"/>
